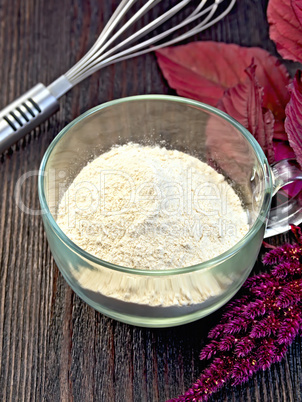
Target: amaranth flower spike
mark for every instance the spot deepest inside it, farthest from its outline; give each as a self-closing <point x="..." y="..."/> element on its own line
<point x="256" y="329"/>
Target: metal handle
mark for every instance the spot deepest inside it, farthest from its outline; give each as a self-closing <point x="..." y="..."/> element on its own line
<point x="25" y="113"/>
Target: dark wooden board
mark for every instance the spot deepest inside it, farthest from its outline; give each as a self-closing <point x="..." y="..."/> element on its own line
<point x="53" y="346"/>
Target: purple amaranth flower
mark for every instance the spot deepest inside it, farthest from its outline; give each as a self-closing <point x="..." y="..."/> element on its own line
<point x="257" y="328"/>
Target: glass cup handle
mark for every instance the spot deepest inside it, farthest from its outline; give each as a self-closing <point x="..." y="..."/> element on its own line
<point x="287" y="210"/>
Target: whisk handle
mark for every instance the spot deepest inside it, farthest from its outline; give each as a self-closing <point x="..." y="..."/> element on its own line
<point x="25" y="113"/>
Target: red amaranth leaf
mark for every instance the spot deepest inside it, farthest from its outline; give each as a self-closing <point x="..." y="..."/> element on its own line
<point x="293" y="122"/>
<point x="297" y="7"/>
<point x="204" y="70"/>
<point x="283" y="150"/>
<point x="244" y="103"/>
<point x="285" y="19"/>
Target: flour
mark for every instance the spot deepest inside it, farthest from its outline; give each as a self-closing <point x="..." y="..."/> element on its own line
<point x="151" y="208"/>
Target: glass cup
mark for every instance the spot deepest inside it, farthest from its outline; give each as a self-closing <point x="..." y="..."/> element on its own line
<point x="166" y="297"/>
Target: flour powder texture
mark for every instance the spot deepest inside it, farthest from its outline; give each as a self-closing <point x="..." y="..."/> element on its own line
<point x="148" y="207"/>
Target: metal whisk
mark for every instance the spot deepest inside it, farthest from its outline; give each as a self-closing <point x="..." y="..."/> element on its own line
<point x="40" y="102"/>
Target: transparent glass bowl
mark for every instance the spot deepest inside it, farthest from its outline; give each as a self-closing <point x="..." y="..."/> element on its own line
<point x="158" y="298"/>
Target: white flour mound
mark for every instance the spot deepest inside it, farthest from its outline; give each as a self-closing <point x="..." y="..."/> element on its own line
<point x="151" y="208"/>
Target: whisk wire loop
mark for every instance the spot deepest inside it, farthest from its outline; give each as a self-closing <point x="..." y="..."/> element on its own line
<point x="101" y="55"/>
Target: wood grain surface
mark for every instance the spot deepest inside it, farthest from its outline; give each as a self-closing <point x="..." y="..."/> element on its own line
<point x="53" y="346"/>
